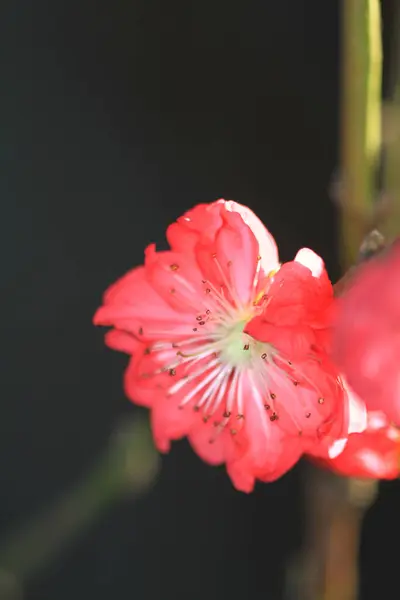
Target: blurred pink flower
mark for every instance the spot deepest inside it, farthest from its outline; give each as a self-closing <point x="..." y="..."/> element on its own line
<point x="366" y="345"/>
<point x="374" y="453"/>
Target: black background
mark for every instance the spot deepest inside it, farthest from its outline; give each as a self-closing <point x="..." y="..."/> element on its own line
<point x="115" y="118"/>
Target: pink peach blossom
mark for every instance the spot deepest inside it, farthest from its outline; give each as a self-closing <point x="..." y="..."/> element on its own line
<point x="228" y="347"/>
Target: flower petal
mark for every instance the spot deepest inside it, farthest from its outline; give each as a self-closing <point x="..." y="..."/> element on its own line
<point x="308" y="258"/>
<point x="133" y="305"/>
<point x="268" y="250"/>
<point x="374" y="453"/>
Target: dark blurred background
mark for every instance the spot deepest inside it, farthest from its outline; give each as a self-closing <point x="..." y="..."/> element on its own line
<point x="115" y="118"/>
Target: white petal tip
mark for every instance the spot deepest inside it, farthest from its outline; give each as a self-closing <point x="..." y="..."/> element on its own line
<point x="358" y="415"/>
<point x="312" y="261"/>
<point x="337" y="448"/>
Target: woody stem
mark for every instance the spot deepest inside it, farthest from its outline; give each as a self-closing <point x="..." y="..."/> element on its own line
<point x="335" y="507"/>
<point x="360" y="119"/>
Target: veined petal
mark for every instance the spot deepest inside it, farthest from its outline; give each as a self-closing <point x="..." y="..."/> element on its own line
<point x="285" y="452"/>
<point x="268" y="249"/>
<point x="133" y="305"/>
<point x="198" y="225"/>
<point x="238" y="250"/>
<point x="212" y="446"/>
<point x="122" y="341"/>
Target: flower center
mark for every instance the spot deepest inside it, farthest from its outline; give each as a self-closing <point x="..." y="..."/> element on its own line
<point x="215" y="368"/>
<point x="237" y="347"/>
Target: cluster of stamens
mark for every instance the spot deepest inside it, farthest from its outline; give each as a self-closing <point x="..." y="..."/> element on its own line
<point x="214" y="362"/>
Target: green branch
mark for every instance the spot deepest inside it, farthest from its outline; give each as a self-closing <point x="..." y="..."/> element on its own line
<point x="361" y="119"/>
<point x="128" y="467"/>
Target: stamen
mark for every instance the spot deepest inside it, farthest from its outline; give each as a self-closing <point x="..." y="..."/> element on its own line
<point x="240" y="395"/>
<point x="224" y="355"/>
<point x="256" y="276"/>
<point x="204" y="368"/>
<point x="257" y="398"/>
<point x="220" y="385"/>
<point x="228" y="311"/>
<point x="228" y="286"/>
<point x="279" y="378"/>
<point x="203" y="383"/>
<point x="310" y="381"/>
<point x="232" y="391"/>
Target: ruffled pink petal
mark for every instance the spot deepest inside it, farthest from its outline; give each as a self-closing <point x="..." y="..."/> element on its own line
<point x="176" y="278"/>
<point x="212" y="445"/>
<point x="237" y="250"/>
<point x="121" y="341"/>
<point x="169" y="422"/>
<point x="213" y="453"/>
<point x="202" y="223"/>
<point x="244" y="477"/>
<point x="284" y="453"/>
<point x="136" y="386"/>
<point x="307" y="394"/>
<point x="269" y="453"/>
<point x="133" y="305"/>
<point x="230" y="244"/>
<point x="295" y="296"/>
<point x="291" y="342"/>
<point x="198" y="225"/>
<point x="241" y="476"/>
<point x="268" y="250"/>
<point x="353" y="418"/>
